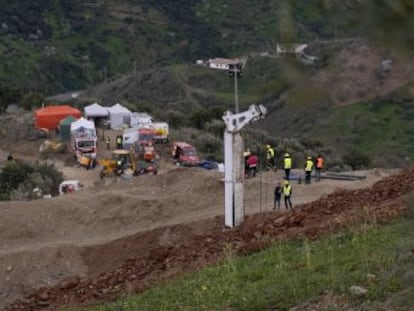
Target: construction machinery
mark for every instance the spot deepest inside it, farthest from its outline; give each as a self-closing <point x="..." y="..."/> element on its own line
<point x="137" y="161"/>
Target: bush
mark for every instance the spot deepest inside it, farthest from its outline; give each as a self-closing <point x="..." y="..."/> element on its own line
<point x="199" y="118"/>
<point x="356" y="159"/>
<point x="31" y="100"/>
<point x="175" y="118"/>
<point x="24" y="181"/>
<point x="208" y="144"/>
<point x="215" y="127"/>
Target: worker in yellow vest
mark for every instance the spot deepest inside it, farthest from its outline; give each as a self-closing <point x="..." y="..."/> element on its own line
<point x="287" y="193"/>
<point x="270" y="157"/>
<point x="308" y="170"/>
<point x="287" y="165"/>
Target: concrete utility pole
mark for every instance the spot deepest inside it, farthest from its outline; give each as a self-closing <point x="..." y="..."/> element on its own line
<point x="233" y="162"/>
<point x="235" y="71"/>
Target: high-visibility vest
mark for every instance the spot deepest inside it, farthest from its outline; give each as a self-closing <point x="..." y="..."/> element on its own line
<point x="270" y="153"/>
<point x="119" y="140"/>
<point x="309" y="166"/>
<point x="319" y="162"/>
<point x="287" y="190"/>
<point x="287" y="163"/>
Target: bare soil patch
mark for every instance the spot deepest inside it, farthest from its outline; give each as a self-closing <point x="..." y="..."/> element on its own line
<point x="126" y="236"/>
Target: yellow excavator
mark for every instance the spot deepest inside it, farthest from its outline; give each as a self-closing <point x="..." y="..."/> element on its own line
<point x="140" y="161"/>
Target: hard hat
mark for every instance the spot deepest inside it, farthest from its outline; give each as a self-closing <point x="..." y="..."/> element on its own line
<point x="268" y="146"/>
<point x="286" y="182"/>
<point x="286" y="154"/>
<point x="309" y="158"/>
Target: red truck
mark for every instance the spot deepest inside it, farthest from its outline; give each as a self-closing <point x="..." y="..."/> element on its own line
<point x="146" y="136"/>
<point x="184" y="154"/>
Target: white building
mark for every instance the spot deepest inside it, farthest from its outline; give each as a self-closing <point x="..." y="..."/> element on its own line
<point x="223" y="63"/>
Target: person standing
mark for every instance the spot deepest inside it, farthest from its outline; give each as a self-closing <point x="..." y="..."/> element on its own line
<point x="246" y="155"/>
<point x="119" y="142"/>
<point x="287" y="193"/>
<point x="108" y="143"/>
<point x="308" y="170"/>
<point x="287" y="165"/>
<point x="319" y="167"/>
<point x="278" y="195"/>
<point x="252" y="165"/>
<point x="270" y="157"/>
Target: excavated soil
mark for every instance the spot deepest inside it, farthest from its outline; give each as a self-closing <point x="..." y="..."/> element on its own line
<point x="124" y="238"/>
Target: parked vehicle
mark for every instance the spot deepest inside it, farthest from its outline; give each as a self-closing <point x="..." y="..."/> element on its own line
<point x="184" y="154"/>
<point x="83" y="139"/>
<point x="123" y="160"/>
<point x="69" y="186"/>
<point x="161" y="131"/>
<point x="146" y="135"/>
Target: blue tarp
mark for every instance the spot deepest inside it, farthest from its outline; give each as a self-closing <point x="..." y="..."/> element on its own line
<point x="208" y="165"/>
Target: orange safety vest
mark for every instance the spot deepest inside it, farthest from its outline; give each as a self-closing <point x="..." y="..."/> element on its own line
<point x="319" y="162"/>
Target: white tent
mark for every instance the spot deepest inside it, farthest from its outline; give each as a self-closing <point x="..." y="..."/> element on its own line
<point x="139" y="120"/>
<point x="118" y="116"/>
<point x="83" y="127"/>
<point x="95" y="111"/>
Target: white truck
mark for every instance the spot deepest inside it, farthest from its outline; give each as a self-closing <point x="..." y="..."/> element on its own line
<point x="83" y="139"/>
<point x="161" y="131"/>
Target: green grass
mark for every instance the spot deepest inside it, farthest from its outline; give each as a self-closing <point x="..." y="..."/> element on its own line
<point x="289" y="273"/>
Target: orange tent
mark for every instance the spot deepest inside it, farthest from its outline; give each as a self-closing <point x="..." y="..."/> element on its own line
<point x="49" y="117"/>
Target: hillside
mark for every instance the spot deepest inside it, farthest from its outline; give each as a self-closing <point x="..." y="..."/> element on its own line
<point x="55" y="46"/>
<point x="347" y="101"/>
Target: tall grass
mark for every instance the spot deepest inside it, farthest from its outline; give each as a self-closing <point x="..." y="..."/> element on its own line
<point x="287" y="274"/>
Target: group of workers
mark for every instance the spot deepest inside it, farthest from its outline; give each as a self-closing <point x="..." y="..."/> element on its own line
<point x="285" y="190"/>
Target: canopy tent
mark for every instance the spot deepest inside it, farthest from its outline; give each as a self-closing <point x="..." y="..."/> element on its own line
<point x="83" y="127"/>
<point x="64" y="127"/>
<point x="49" y="117"/>
<point x="95" y="111"/>
<point x="140" y="119"/>
<point x="119" y="116"/>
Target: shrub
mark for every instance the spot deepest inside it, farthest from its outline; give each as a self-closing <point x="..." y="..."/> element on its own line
<point x="31" y="100"/>
<point x="356" y="159"/>
<point x="215" y="127"/>
<point x="199" y="118"/>
<point x="175" y="118"/>
<point x="24" y="181"/>
<point x="208" y="143"/>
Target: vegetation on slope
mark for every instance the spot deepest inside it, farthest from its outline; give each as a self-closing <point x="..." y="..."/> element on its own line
<point x="298" y="272"/>
<point x="55" y="46"/>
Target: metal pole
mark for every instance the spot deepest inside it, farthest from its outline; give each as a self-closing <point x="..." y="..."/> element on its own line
<point x="236" y="90"/>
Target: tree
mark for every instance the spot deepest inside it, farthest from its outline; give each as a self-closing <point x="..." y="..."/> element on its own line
<point x="9" y="94"/>
<point x="32" y="99"/>
<point x="19" y="179"/>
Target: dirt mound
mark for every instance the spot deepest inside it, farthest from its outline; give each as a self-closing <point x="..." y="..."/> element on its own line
<point x="164" y="252"/>
<point x="358" y="73"/>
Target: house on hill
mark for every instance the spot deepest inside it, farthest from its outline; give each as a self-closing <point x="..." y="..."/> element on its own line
<point x="223" y="63"/>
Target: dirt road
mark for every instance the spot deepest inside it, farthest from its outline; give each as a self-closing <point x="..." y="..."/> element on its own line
<point x="46" y="241"/>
